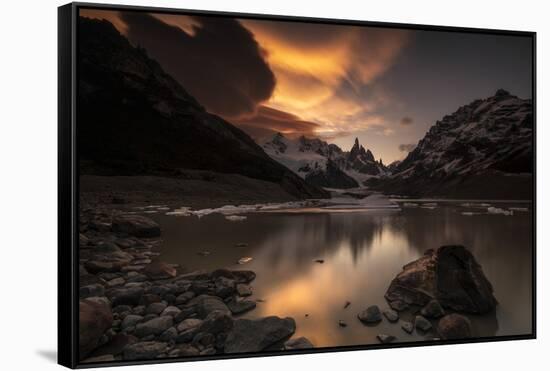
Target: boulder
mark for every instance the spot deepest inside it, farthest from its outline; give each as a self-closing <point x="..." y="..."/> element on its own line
<point x="258" y="334"/>
<point x="143" y="350"/>
<point x="454" y="326"/>
<point x="155" y="326"/>
<point x="159" y="270"/>
<point x="298" y="343"/>
<point x="216" y="322"/>
<point x="95" y="317"/>
<point x="189" y="324"/>
<point x="449" y="274"/>
<point x="130" y="321"/>
<point x="204" y="304"/>
<point x="391" y="315"/>
<point x="243" y="289"/>
<point x="370" y="315"/>
<point x="135" y="225"/>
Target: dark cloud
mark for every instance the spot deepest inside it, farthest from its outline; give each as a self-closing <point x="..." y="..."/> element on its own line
<point x="406" y="121"/>
<point x="270" y="120"/>
<point x="220" y="63"/>
<point x="407" y="147"/>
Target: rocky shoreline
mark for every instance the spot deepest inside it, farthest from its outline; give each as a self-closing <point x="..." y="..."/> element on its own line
<point x="134" y="306"/>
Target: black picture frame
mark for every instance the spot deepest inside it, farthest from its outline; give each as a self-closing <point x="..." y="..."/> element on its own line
<point x="68" y="185"/>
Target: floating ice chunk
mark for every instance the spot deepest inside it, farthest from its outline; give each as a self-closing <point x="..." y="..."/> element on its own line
<point x="497" y="210"/>
<point x="182" y="211"/>
<point x="522" y="209"/>
<point x="235" y="218"/>
<point x="410" y="204"/>
<point x="430" y="204"/>
<point x="469" y="213"/>
<point x="244" y="260"/>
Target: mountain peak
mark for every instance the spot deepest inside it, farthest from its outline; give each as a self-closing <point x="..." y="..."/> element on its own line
<point x="356" y="142"/>
<point x="502" y="93"/>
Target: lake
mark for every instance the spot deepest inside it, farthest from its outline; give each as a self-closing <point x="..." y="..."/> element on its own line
<point x="362" y="251"/>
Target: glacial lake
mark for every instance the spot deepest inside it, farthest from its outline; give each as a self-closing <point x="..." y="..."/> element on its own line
<point x="362" y="251"/>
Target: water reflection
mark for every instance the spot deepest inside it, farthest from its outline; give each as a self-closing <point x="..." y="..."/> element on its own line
<point x="362" y="252"/>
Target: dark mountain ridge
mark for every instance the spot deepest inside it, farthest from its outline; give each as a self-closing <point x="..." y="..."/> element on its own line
<point x="134" y="119"/>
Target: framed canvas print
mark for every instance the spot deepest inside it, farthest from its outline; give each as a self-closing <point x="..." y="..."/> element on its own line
<point x="236" y="185"/>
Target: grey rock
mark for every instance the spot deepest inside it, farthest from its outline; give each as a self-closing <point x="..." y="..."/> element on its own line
<point x="155" y="308"/>
<point x="169" y="335"/>
<point x="130" y="320"/>
<point x="185" y="297"/>
<point x="203" y="340"/>
<point x="298" y="343"/>
<point x="408" y="327"/>
<point x="171" y="311"/>
<point x="155" y="326"/>
<point x="224" y="287"/>
<point x="256" y="335"/>
<point x="454" y="326"/>
<point x="433" y="310"/>
<point x="243" y="289"/>
<point x="242" y="306"/>
<point x="370" y="315"/>
<point x="385" y="339"/>
<point x="422" y="323"/>
<point x="189" y="324"/>
<point x="143" y="350"/>
<point x="91" y="290"/>
<point x="119" y="281"/>
<point x="216" y="322"/>
<point x="204" y="304"/>
<point x="391" y="315"/>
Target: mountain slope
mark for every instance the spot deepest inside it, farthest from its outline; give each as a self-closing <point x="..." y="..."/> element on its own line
<point x="324" y="164"/>
<point x="134" y="119"/>
<point x="484" y="149"/>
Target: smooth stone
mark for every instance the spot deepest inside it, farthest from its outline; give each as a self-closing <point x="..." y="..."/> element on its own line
<point x="239" y="307"/>
<point x="171" y="311"/>
<point x="155" y="308"/>
<point x="143" y="350"/>
<point x="422" y="323"/>
<point x="116" y="282"/>
<point x="454" y="326"/>
<point x="385" y="339"/>
<point x="258" y="334"/>
<point x="169" y="335"/>
<point x="216" y="322"/>
<point x="408" y="327"/>
<point x="391" y="315"/>
<point x="159" y="270"/>
<point x="185" y="297"/>
<point x="204" y="304"/>
<point x="370" y="315"/>
<point x="130" y="320"/>
<point x="130" y="296"/>
<point x="243" y="289"/>
<point x="188" y="324"/>
<point x="155" y="326"/>
<point x="298" y="343"/>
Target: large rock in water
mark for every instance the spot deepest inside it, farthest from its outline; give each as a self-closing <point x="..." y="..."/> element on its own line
<point x="136" y="225"/>
<point x="95" y="317"/>
<point x="259" y="334"/>
<point x="454" y="326"/>
<point x="451" y="275"/>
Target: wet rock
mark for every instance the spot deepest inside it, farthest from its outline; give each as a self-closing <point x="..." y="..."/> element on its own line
<point x="159" y="270"/>
<point x="385" y="339"/>
<point x="398" y="305"/>
<point x="454" y="326"/>
<point x="391" y="315"/>
<point x="130" y="320"/>
<point x="340" y="323"/>
<point x="216" y="322"/>
<point x="408" y="327"/>
<point x="119" y="281"/>
<point x="187" y="350"/>
<point x="189" y="324"/>
<point x="97" y="266"/>
<point x="115" y="345"/>
<point x="298" y="343"/>
<point x="155" y="326"/>
<point x="95" y="317"/>
<point x="259" y="334"/>
<point x="451" y="275"/>
<point x="243" y="289"/>
<point x="224" y="287"/>
<point x="136" y="225"/>
<point x="148" y="299"/>
<point x="432" y="310"/>
<point x="204" y="304"/>
<point x="242" y="306"/>
<point x="171" y="311"/>
<point x="203" y="340"/>
<point x="422" y="323"/>
<point x="143" y="350"/>
<point x="155" y="308"/>
<point x="370" y="315"/>
<point x="169" y="335"/>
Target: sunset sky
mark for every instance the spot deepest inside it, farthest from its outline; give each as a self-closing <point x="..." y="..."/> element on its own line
<point x="384" y="86"/>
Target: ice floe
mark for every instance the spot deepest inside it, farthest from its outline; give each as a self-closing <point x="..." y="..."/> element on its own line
<point x="497" y="210"/>
<point x="235" y="218"/>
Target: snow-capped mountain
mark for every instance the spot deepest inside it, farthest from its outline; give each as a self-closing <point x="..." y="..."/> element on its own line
<point x="324" y="164"/>
<point x="483" y="149"/>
